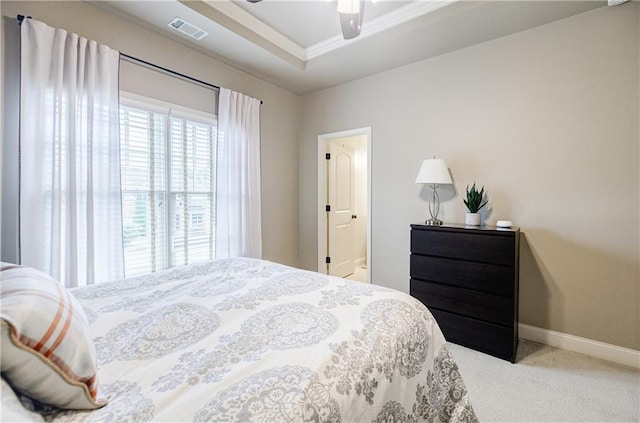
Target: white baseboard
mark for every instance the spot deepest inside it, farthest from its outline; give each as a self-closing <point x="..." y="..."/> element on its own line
<point x="589" y="347"/>
<point x="360" y="261"/>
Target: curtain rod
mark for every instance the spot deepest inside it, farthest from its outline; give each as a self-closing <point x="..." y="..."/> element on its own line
<point x="152" y="65"/>
<point x="162" y="69"/>
<point x="172" y="72"/>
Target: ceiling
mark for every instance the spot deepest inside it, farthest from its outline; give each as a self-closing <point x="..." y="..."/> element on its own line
<point x="297" y="44"/>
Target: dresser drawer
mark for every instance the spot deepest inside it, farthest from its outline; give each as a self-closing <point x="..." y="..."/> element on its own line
<point x="468" y="278"/>
<point x="488" y="248"/>
<point x="466" y="274"/>
<point x="475" y="304"/>
<point x="486" y="337"/>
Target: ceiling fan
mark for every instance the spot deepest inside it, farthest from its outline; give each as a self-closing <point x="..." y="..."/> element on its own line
<point x="351" y="13"/>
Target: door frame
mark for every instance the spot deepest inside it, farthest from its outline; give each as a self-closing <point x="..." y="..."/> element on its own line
<point x="323" y="139"/>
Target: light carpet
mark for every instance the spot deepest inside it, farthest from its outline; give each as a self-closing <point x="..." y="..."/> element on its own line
<point x="548" y="384"/>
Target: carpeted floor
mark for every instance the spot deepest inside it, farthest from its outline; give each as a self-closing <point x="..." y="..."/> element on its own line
<point x="548" y="384"/>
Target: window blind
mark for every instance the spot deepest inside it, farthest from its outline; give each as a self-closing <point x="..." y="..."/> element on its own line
<point x="193" y="159"/>
<point x="168" y="186"/>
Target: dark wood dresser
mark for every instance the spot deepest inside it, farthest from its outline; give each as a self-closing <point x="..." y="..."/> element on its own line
<point x="468" y="278"/>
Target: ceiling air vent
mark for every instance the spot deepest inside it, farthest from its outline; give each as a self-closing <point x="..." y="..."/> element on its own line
<point x="188" y="29"/>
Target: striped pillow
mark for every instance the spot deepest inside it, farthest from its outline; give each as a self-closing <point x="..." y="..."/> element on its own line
<point x="46" y="348"/>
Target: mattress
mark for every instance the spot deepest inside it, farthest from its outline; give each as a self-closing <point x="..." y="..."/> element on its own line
<point x="254" y="341"/>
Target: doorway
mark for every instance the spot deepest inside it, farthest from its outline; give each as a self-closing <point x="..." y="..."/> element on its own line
<point x="344" y="204"/>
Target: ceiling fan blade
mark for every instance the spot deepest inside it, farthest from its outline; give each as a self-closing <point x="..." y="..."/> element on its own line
<point x="351" y="23"/>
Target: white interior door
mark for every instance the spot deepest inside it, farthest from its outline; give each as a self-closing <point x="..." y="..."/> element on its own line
<point x="341" y="227"/>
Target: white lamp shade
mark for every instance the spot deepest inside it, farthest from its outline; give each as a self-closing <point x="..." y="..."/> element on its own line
<point x="434" y="171"/>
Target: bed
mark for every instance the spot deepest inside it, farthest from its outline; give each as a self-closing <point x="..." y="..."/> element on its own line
<point x="254" y="341"/>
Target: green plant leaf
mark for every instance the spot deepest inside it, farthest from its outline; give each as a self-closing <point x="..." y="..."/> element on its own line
<point x="474" y="198"/>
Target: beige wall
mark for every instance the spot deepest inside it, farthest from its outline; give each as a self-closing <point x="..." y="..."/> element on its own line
<point x="280" y="112"/>
<point x="547" y="120"/>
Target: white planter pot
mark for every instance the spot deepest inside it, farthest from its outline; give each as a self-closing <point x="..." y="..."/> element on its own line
<point x="472" y="219"/>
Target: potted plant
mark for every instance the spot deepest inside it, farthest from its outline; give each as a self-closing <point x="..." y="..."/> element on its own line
<point x="474" y="204"/>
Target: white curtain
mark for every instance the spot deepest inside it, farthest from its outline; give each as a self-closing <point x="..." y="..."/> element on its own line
<point x="70" y="221"/>
<point x="238" y="221"/>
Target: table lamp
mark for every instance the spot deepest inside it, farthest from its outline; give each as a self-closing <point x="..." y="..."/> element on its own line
<point x="434" y="172"/>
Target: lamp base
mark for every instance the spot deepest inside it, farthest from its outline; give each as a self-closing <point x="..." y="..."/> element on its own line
<point x="433" y="222"/>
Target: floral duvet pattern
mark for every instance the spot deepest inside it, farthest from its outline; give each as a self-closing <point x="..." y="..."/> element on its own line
<point x="245" y="340"/>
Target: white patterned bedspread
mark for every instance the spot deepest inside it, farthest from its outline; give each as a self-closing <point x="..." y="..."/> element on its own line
<point x="254" y="341"/>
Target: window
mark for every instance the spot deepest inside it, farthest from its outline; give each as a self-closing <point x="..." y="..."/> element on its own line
<point x="168" y="157"/>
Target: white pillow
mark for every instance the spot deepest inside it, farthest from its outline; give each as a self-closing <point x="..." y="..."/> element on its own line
<point x="12" y="409"/>
<point x="46" y="350"/>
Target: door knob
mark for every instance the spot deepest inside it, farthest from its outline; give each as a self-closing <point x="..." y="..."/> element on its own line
<point x="354" y="216"/>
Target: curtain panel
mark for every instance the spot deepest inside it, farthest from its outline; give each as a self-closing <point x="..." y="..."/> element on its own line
<point x="70" y="212"/>
<point x="238" y="211"/>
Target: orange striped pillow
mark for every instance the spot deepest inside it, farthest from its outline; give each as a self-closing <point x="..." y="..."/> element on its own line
<point x="46" y="349"/>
